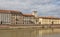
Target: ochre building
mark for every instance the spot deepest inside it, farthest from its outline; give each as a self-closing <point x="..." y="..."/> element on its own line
<point x="49" y="20"/>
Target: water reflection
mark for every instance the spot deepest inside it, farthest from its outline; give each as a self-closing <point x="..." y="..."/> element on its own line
<point x="50" y="33"/>
<point x="29" y="32"/>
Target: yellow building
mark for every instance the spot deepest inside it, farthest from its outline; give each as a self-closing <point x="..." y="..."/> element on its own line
<point x="49" y="20"/>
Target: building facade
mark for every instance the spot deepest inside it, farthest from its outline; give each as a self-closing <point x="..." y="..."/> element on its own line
<point x="12" y="17"/>
<point x="28" y="19"/>
<point x="16" y="17"/>
<point x="5" y="17"/>
<point x="49" y="20"/>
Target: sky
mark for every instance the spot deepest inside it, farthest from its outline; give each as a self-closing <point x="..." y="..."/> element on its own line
<point x="43" y="7"/>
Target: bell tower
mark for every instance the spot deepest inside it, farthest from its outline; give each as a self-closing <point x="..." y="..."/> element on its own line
<point x="34" y="13"/>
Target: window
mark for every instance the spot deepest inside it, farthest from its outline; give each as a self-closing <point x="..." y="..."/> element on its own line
<point x="17" y="19"/>
<point x="52" y="22"/>
<point x="5" y="18"/>
<point x="1" y="22"/>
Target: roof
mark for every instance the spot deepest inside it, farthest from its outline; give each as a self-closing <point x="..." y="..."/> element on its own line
<point x="9" y="11"/>
<point x="49" y="17"/>
<point x="28" y="15"/>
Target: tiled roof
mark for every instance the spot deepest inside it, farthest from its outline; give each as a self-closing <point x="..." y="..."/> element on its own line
<point x="49" y="17"/>
<point x="28" y="15"/>
<point x="9" y="11"/>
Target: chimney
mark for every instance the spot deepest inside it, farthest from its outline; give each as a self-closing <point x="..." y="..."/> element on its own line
<point x="34" y="13"/>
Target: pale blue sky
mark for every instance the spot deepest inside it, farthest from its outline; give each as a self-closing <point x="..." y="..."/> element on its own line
<point x="44" y="7"/>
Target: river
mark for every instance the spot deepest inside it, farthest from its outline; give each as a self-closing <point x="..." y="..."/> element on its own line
<point x="21" y="32"/>
<point x="49" y="33"/>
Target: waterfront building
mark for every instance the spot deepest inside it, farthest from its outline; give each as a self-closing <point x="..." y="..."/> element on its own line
<point x="10" y="17"/>
<point x="16" y="17"/>
<point x="5" y="17"/>
<point x="30" y="18"/>
<point x="49" y="20"/>
<point x="13" y="17"/>
<point x="36" y="17"/>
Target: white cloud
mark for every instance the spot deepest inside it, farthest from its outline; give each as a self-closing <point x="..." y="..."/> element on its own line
<point x="46" y="7"/>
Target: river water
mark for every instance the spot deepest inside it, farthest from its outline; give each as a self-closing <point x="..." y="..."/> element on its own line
<point x="50" y="33"/>
<point x="29" y="32"/>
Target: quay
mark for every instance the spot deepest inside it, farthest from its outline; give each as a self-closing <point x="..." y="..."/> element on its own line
<point x="31" y="26"/>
